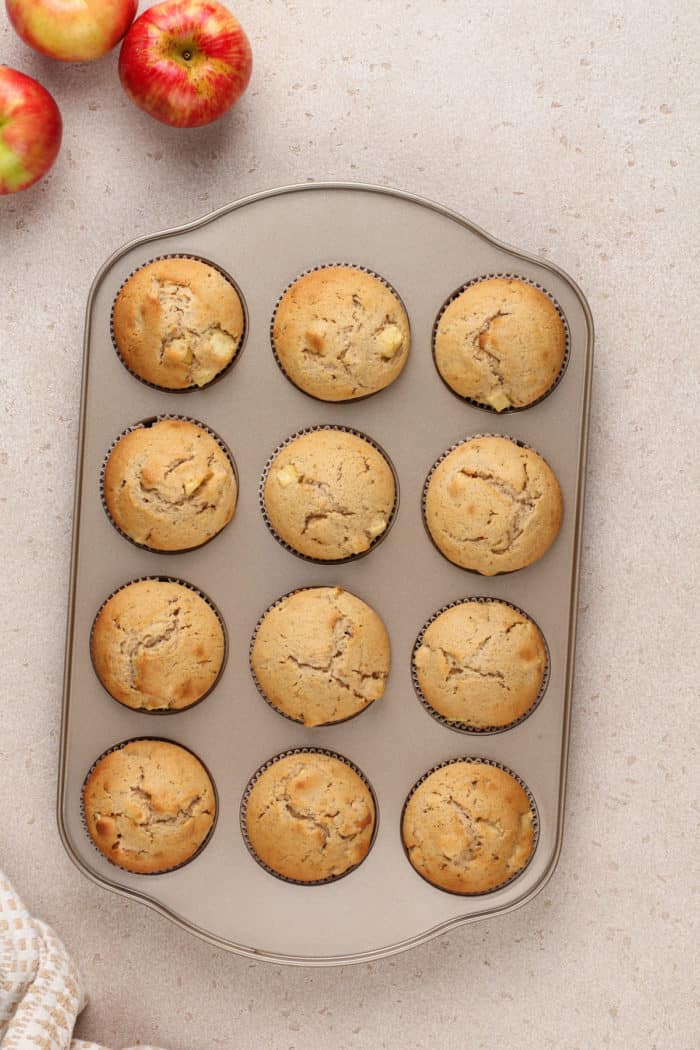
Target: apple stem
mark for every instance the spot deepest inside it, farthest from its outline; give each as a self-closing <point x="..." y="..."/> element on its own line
<point x="187" y="55"/>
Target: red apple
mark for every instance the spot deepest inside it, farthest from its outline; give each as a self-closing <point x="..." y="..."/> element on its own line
<point x="30" y="131"/>
<point x="72" y="30"/>
<point x="185" y="62"/>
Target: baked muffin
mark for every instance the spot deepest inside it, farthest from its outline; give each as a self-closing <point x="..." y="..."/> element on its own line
<point x="321" y="655"/>
<point x="169" y="486"/>
<point x="157" y="646"/>
<point x="148" y="806"/>
<point x="309" y="817"/>
<point x="178" y="323"/>
<point x="493" y="506"/>
<point x="468" y="828"/>
<point x="340" y="333"/>
<point x="481" y="664"/>
<point x="329" y="494"/>
<point x="501" y="342"/>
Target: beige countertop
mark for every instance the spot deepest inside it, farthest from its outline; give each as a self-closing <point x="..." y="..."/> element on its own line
<point x="565" y="129"/>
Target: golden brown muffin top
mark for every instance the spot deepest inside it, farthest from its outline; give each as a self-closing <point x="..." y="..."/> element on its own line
<point x="149" y="805"/>
<point x="170" y="486"/>
<point x="340" y="333"/>
<point x="178" y="323"/>
<point x="321" y="655"/>
<point x="481" y="664"/>
<point x="468" y="828"/>
<point x="500" y="342"/>
<point x="329" y="494"/>
<point x="157" y="646"/>
<point x="310" y="817"/>
<point x="493" y="506"/>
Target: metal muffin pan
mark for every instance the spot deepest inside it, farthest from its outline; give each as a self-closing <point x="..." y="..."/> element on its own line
<point x="426" y="252"/>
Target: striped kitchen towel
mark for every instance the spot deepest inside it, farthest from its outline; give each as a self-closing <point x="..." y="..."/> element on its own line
<point x="41" y="993"/>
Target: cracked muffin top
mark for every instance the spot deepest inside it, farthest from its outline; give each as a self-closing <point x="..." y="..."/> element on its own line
<point x="481" y="664"/>
<point x="492" y="506"/>
<point x="500" y="342"/>
<point x="148" y="806"/>
<point x="157" y="646"/>
<point x="468" y="828"/>
<point x="340" y="333"/>
<point x="310" y="817"/>
<point x="169" y="486"/>
<point x="321" y="655"/>
<point x="329" y="494"/>
<point x="178" y="323"/>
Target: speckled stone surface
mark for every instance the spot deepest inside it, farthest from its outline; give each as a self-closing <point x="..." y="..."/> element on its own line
<point x="565" y="129"/>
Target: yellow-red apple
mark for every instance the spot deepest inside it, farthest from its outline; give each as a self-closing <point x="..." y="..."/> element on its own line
<point x="185" y="62"/>
<point x="30" y="130"/>
<point x="72" y="30"/>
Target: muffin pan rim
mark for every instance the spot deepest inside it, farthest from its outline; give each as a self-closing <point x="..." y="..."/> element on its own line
<point x="465" y="727"/>
<point x="582" y="329"/>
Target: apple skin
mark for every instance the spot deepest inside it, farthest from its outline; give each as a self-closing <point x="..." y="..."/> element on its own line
<point x="185" y="62"/>
<point x="30" y="131"/>
<point x="72" y="30"/>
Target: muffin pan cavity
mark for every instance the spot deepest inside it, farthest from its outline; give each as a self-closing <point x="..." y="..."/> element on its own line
<point x="490" y="361"/>
<point x="331" y="511"/>
<point x="162" y="634"/>
<point x="324" y="823"/>
<point x="424" y="252"/>
<point x="493" y="672"/>
<point x="337" y="323"/>
<point x="181" y="483"/>
<point x="484" y="830"/>
<point x="166" y="807"/>
<point x="207" y="322"/>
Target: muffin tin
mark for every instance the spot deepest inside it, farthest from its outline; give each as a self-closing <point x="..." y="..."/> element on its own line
<point x="427" y="253"/>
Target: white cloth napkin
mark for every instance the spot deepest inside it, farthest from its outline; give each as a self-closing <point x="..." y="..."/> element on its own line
<point x="41" y="993"/>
